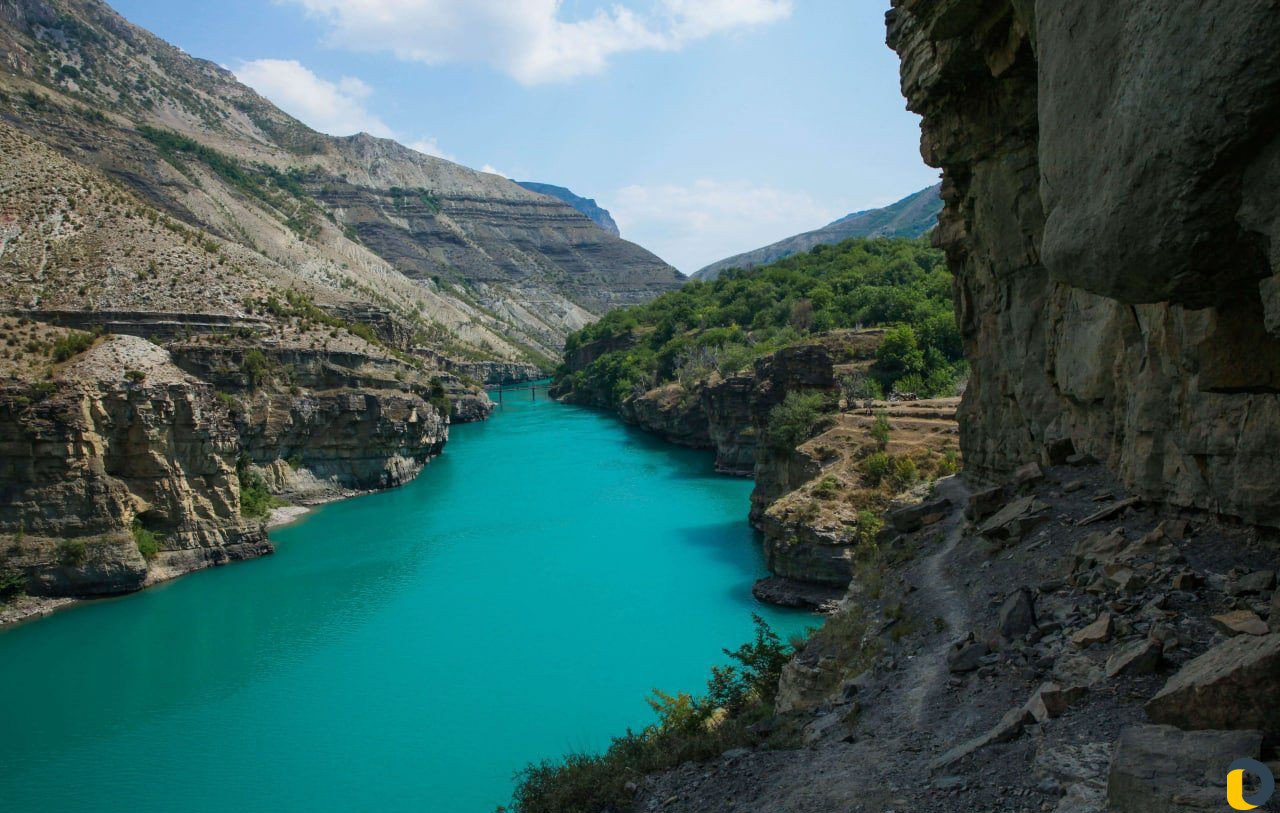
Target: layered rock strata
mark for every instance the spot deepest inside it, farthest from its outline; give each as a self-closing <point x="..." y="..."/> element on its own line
<point x="93" y="459"/>
<point x="1110" y="212"/>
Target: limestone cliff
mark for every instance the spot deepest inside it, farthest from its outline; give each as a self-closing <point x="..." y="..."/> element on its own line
<point x="1109" y="179"/>
<point x="346" y="422"/>
<point x="92" y="460"/>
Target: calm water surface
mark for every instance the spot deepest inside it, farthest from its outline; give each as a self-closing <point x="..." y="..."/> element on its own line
<point x="404" y="651"/>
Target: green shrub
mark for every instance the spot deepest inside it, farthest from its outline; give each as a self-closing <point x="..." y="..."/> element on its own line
<point x="882" y="468"/>
<point x="828" y="488"/>
<point x="870" y="524"/>
<point x="135" y="376"/>
<point x="795" y="420"/>
<point x="148" y="542"/>
<point x="257" y="368"/>
<point x="228" y="400"/>
<point x="72" y="344"/>
<point x="13" y="583"/>
<point x="905" y="472"/>
<point x="688" y="729"/>
<point x="72" y="552"/>
<point x="900" y="352"/>
<point x="877" y="468"/>
<point x="949" y="464"/>
<point x="860" y="387"/>
<point x="256" y="501"/>
<point x="880" y="430"/>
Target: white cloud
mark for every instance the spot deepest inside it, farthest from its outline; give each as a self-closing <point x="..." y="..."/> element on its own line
<point x="430" y="146"/>
<point x="492" y="170"/>
<point x="693" y="226"/>
<point x="336" y="108"/>
<point x="529" y="39"/>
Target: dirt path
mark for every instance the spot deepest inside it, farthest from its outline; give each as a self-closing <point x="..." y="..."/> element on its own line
<point x="927" y="673"/>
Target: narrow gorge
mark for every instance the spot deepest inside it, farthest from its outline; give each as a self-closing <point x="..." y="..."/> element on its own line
<point x="965" y="504"/>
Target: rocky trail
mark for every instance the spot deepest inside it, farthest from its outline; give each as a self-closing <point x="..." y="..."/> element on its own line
<point x="927" y="673"/>
<point x="1052" y="646"/>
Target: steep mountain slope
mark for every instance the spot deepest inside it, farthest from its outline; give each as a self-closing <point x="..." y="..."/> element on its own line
<point x="207" y="307"/>
<point x="599" y="215"/>
<point x="910" y="217"/>
<point x="506" y="271"/>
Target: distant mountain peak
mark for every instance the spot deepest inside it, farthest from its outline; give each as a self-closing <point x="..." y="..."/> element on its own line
<point x="599" y="215"/>
<point x="913" y="216"/>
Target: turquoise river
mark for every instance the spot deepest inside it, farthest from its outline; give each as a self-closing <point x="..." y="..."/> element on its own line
<point x="408" y="650"/>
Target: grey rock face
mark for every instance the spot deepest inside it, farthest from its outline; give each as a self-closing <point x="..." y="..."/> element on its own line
<point x="1017" y="615"/>
<point x="598" y="215"/>
<point x="1110" y="199"/>
<point x="1162" y="768"/>
<point x="1153" y="110"/>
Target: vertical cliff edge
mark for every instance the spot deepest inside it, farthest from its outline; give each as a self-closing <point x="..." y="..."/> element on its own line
<point x="1111" y="207"/>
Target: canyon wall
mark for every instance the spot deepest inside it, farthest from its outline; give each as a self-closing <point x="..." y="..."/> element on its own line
<point x="90" y="460"/>
<point x="125" y="465"/>
<point x="1109" y="177"/>
<point x="812" y="497"/>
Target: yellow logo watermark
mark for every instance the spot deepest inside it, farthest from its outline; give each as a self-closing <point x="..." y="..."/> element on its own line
<point x="1235" y="784"/>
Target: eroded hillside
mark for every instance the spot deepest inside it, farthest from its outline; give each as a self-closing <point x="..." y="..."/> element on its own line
<point x="474" y="264"/>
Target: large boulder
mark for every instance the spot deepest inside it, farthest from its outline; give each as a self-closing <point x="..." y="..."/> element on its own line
<point x="1017" y="614"/>
<point x="1016" y="519"/>
<point x="1159" y="769"/>
<point x="1235" y="685"/>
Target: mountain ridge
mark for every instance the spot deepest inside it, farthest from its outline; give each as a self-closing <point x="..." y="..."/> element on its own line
<point x="912" y="216"/>
<point x="507" y="271"/>
<point x="588" y="206"/>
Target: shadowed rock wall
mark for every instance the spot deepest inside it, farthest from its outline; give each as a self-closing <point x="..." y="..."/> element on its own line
<point x="1109" y="179"/>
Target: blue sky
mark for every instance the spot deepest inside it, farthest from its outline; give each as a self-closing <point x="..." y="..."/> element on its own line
<point x="708" y="127"/>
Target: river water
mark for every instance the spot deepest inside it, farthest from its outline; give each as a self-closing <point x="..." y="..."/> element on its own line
<point x="408" y="650"/>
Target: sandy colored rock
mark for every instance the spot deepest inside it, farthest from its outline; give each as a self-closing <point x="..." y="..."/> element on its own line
<point x="1234" y="685"/>
<point x="100" y="455"/>
<point x="1052" y="700"/>
<point x="1240" y="622"/>
<point x="1098" y="632"/>
<point x="1140" y="658"/>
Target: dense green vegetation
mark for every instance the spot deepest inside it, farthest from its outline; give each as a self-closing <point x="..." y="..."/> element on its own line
<point x="688" y="729"/>
<point x="795" y="420"/>
<point x="728" y="323"/>
<point x="12" y="584"/>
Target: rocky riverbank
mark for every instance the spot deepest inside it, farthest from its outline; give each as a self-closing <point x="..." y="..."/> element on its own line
<point x="818" y="497"/>
<point x="1047" y="645"/>
<point x="1086" y="635"/>
<point x="132" y="463"/>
